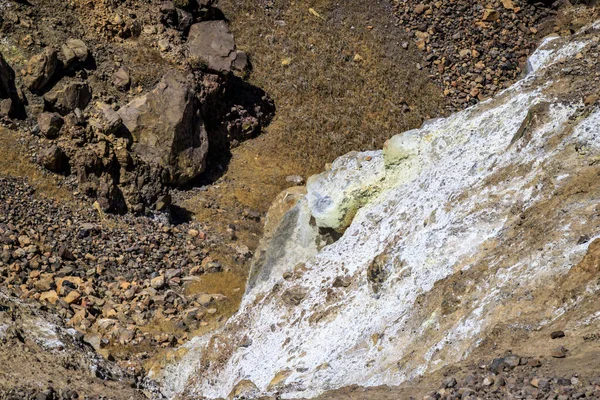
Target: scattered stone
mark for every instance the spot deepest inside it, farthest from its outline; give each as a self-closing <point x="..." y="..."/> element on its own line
<point x="50" y="124"/>
<point x="534" y="362"/>
<point x="158" y="282"/>
<point x="490" y="15"/>
<point x="420" y="8"/>
<point x="294" y="296"/>
<point x="50" y="296"/>
<point x="6" y="107"/>
<point x="72" y="297"/>
<point x="512" y="360"/>
<point x="590" y="99"/>
<point x="122" y="79"/>
<point x="295" y="179"/>
<point x="488" y="381"/>
<point x="74" y="50"/>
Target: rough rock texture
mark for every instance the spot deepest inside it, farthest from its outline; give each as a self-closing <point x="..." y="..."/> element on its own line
<point x="167" y="129"/>
<point x="211" y="43"/>
<point x="50" y="124"/>
<point x="8" y="90"/>
<point x="489" y="234"/>
<point x="69" y="96"/>
<point x="40" y="69"/>
<point x="53" y="158"/>
<point x="137" y="118"/>
<point x="51" y="361"/>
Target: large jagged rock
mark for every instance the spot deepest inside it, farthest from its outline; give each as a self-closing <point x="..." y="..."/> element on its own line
<point x="70" y="96"/>
<point x="167" y="129"/>
<point x="478" y="228"/>
<point x="74" y="50"/>
<point x="212" y="44"/>
<point x="8" y="90"/>
<point x="40" y="69"/>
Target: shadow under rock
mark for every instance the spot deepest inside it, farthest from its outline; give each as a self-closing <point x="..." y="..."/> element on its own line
<point x="243" y="114"/>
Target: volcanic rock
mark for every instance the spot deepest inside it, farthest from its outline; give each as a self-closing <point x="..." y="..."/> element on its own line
<point x="167" y="129"/>
<point x="70" y="96"/>
<point x="122" y="79"/>
<point x="212" y="44"/>
<point x="50" y="124"/>
<point x="74" y="50"/>
<point x="40" y="69"/>
<point x="53" y="158"/>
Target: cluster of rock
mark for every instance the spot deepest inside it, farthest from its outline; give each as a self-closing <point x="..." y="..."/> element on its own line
<point x="108" y="280"/>
<point x="474" y="48"/>
<point x="516" y="378"/>
<point x="126" y="155"/>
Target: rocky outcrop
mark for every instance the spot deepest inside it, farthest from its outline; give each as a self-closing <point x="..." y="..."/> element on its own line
<point x="167" y="129"/>
<point x="471" y="225"/>
<point x="148" y="127"/>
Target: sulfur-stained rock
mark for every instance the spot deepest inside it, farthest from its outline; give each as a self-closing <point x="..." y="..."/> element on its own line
<point x="335" y="196"/>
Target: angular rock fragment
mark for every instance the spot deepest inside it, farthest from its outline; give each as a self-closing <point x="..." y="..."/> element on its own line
<point x="212" y="44"/>
<point x="167" y="129"/>
<point x="74" y="50"/>
<point x="107" y="120"/>
<point x="40" y="69"/>
<point x="50" y="124"/>
<point x="69" y="97"/>
<point x="122" y="79"/>
<point x="53" y="158"/>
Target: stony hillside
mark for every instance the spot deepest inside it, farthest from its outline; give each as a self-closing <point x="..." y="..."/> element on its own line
<point x="474" y="234"/>
<point x="144" y="141"/>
